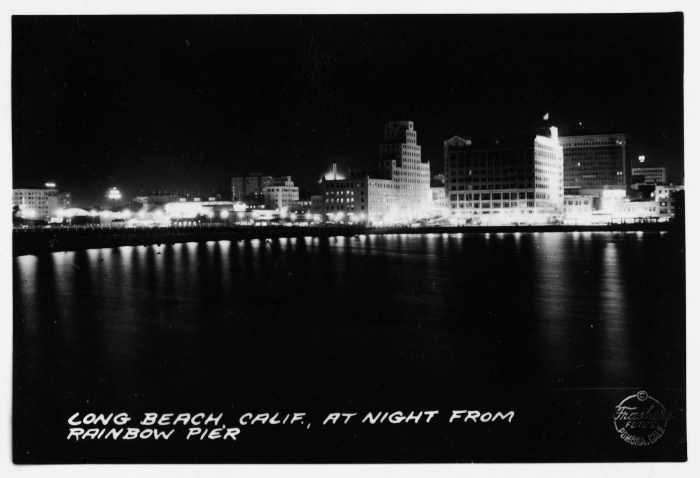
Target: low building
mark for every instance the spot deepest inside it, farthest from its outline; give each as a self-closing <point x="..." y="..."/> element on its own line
<point x="188" y="212"/>
<point x="638" y="211"/>
<point x="667" y="197"/>
<point x="648" y="175"/>
<point x="157" y="199"/>
<point x="578" y="208"/>
<point x="606" y="199"/>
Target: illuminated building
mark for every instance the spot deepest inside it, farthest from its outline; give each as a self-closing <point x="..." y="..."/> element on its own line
<point x="638" y="211"/>
<point x="438" y="198"/>
<point x="578" y="208"/>
<point x="400" y="162"/>
<point x="594" y="162"/>
<point x="667" y="197"/>
<point x="398" y="192"/>
<point x="345" y="195"/>
<point x="333" y="174"/>
<point x="39" y="203"/>
<point x="613" y="206"/>
<point x="184" y="212"/>
<point x="281" y="193"/>
<point x="157" y="199"/>
<point x="648" y="175"/>
<point x="515" y="181"/>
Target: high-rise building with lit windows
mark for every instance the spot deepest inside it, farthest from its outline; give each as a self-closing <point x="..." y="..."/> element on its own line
<point x="400" y="162"/>
<point x="514" y="181"/>
<point x="594" y="162"/>
<point x="399" y="191"/>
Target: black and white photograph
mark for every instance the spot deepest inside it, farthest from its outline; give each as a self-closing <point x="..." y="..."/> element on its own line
<point x="348" y="238"/>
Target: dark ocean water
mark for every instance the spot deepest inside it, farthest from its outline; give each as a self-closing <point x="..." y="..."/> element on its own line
<point x="559" y="327"/>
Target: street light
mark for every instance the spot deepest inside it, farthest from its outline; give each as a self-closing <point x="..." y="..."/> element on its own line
<point x="641" y="158"/>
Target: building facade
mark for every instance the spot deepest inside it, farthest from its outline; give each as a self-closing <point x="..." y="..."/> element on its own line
<point x="649" y="175"/>
<point x="578" y="208"/>
<point x="249" y="188"/>
<point x="281" y="193"/>
<point x="39" y="203"/>
<point x="520" y="181"/>
<point x="438" y="197"/>
<point x="398" y="192"/>
<point x="594" y="162"/>
<point x="401" y="163"/>
<point x="667" y="197"/>
<point x="317" y="203"/>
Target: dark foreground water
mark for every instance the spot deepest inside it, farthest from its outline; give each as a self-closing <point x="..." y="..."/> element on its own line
<point x="559" y="327"/>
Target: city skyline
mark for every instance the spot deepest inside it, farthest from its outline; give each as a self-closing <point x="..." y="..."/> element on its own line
<point x="195" y="119"/>
<point x="534" y="179"/>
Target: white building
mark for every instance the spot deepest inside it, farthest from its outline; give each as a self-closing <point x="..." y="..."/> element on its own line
<point x="39" y="203"/>
<point x="281" y="193"/>
<point x="517" y="181"/>
<point x="399" y="192"/>
<point x="578" y="208"/>
<point x="401" y="163"/>
<point x="438" y="197"/>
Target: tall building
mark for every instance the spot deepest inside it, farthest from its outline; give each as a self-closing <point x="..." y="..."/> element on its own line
<point x="237" y="188"/>
<point x="40" y="203"/>
<point x="280" y="193"/>
<point x="520" y="180"/>
<point x="398" y="192"/>
<point x="400" y="162"/>
<point x="249" y="188"/>
<point x="594" y="162"/>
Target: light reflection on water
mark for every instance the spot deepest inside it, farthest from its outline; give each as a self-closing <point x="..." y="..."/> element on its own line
<point x="565" y="309"/>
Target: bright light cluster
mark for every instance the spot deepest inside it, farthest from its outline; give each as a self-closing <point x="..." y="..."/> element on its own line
<point x="188" y="210"/>
<point x="114" y="194"/>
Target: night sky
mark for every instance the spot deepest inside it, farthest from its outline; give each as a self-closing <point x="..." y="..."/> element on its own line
<point x="184" y="102"/>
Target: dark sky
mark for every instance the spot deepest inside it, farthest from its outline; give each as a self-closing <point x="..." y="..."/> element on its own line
<point x="184" y="102"/>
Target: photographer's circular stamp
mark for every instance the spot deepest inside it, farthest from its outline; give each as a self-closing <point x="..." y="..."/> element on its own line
<point x="640" y="419"/>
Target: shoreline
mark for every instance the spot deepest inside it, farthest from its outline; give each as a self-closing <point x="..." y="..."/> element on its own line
<point x="42" y="241"/>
